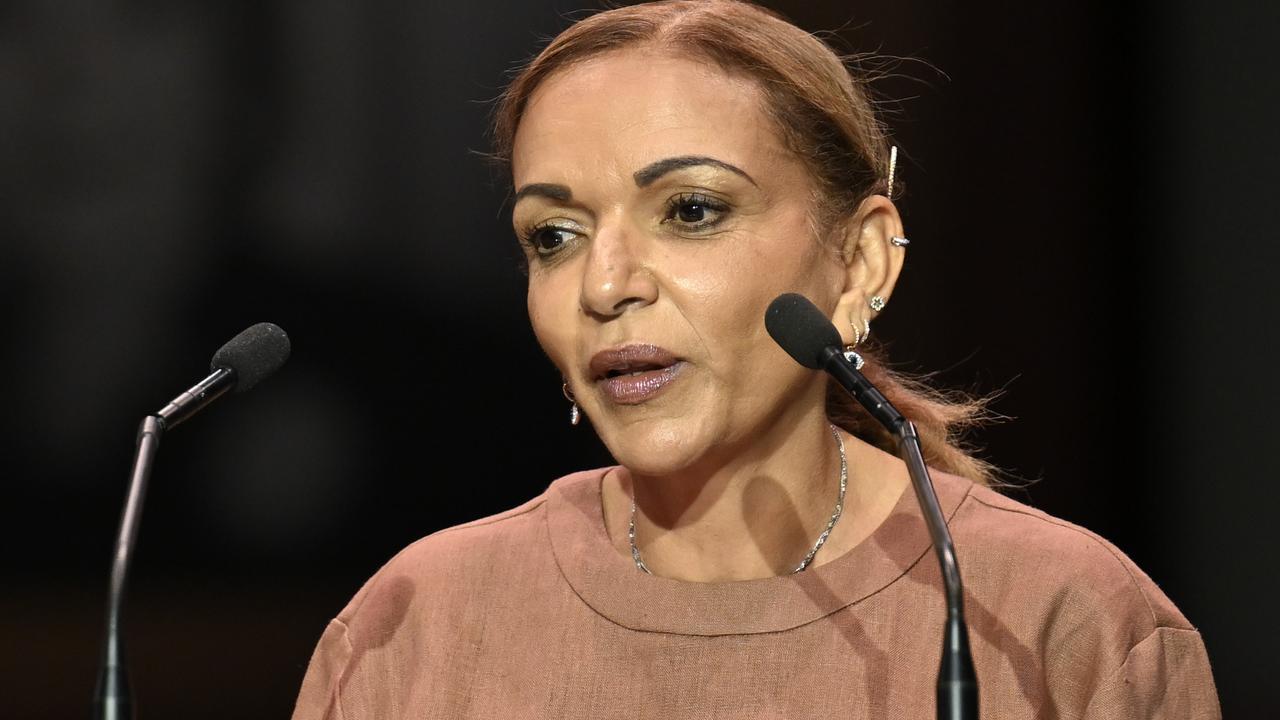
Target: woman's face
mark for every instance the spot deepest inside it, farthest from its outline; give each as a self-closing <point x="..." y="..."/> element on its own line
<point x="661" y="215"/>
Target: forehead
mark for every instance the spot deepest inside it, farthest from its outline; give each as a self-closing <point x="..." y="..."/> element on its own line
<point x="616" y="113"/>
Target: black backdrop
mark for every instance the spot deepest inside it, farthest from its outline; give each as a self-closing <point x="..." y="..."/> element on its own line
<point x="1089" y="199"/>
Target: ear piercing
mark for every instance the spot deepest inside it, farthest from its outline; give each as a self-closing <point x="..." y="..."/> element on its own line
<point x="854" y="358"/>
<point x="897" y="240"/>
<point x="893" y="167"/>
<point x="575" y="415"/>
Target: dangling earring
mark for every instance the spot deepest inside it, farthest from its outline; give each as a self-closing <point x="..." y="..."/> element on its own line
<point x="849" y="354"/>
<point x="575" y="415"/>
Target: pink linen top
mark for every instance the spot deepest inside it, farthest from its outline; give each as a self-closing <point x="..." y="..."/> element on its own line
<point x="532" y="613"/>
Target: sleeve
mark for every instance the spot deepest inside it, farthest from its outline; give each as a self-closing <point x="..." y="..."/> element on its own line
<point x="1166" y="675"/>
<point x="318" y="698"/>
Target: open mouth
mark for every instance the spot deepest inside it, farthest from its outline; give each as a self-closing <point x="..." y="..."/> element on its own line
<point x="634" y="371"/>
<point x="632" y="374"/>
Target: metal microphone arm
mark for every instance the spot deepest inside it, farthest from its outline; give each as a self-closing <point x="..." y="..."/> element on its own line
<point x="957" y="697"/>
<point x="113" y="698"/>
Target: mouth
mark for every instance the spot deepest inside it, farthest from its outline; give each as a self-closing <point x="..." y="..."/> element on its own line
<point x="632" y="374"/>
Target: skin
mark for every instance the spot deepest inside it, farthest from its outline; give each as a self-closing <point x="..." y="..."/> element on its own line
<point x="733" y="466"/>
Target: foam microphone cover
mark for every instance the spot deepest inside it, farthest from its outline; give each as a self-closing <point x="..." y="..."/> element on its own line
<point x="801" y="329"/>
<point x="253" y="354"/>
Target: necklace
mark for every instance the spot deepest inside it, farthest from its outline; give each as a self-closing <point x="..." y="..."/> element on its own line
<point x="835" y="515"/>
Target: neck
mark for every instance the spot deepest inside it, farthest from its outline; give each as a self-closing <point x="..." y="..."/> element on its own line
<point x="754" y="510"/>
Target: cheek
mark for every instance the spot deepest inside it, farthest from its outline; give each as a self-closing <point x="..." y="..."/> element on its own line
<point x="729" y="285"/>
<point x="552" y="314"/>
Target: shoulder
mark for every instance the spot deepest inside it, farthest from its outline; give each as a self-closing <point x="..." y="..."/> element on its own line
<point x="1033" y="540"/>
<point x="462" y="558"/>
<point x="1072" y="603"/>
<point x="1054" y="584"/>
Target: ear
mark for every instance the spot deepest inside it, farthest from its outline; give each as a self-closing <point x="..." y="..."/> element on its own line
<point x="872" y="263"/>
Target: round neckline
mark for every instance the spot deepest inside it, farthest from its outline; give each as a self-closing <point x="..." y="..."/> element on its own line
<point x="612" y="586"/>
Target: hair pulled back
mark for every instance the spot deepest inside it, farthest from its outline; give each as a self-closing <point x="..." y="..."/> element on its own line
<point x="824" y="114"/>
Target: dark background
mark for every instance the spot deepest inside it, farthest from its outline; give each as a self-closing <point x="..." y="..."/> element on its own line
<point x="1090" y="199"/>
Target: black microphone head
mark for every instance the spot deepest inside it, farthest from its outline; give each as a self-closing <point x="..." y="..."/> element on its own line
<point x="801" y="329"/>
<point x="253" y="354"/>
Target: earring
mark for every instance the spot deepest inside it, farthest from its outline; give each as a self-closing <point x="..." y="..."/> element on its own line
<point x="899" y="241"/>
<point x="849" y="354"/>
<point x="893" y="167"/>
<point x="877" y="303"/>
<point x="575" y="415"/>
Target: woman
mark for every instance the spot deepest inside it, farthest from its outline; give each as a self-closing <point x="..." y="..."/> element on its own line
<point x="754" y="553"/>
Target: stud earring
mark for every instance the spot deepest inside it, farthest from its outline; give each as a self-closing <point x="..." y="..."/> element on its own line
<point x="899" y="241"/>
<point x="877" y="303"/>
<point x="575" y="415"/>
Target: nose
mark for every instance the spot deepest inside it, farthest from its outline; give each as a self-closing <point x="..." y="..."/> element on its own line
<point x="616" y="276"/>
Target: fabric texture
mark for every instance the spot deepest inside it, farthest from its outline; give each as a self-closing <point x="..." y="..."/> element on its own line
<point x="532" y="613"/>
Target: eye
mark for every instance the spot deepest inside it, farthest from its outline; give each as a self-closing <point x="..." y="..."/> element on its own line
<point x="548" y="239"/>
<point x="695" y="211"/>
<point x="691" y="212"/>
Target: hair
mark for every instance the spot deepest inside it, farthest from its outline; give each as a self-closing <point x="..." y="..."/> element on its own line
<point x="822" y="108"/>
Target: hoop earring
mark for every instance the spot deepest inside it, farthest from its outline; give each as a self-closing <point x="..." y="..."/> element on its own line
<point x="575" y="415"/>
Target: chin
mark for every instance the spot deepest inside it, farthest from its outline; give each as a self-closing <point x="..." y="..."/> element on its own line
<point x="655" y="446"/>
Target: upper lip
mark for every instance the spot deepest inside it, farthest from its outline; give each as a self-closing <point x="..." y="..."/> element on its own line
<point x="630" y="358"/>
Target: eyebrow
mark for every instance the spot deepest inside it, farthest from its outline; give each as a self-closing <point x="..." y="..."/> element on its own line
<point x="643" y="177"/>
<point x="653" y="171"/>
<point x="546" y="190"/>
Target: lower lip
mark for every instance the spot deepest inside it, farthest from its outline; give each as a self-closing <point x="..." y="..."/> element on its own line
<point x="635" y="389"/>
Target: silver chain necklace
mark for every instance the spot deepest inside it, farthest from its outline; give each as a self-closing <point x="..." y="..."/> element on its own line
<point x="835" y="515"/>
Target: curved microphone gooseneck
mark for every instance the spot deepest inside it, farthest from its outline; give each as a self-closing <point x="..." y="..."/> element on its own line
<point x="808" y="336"/>
<point x="244" y="361"/>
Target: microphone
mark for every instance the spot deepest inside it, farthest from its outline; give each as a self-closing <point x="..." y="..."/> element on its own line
<point x="246" y="360"/>
<point x="808" y="336"/>
<point x="243" y="362"/>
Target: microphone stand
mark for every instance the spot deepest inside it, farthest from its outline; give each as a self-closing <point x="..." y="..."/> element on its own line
<point x="113" y="697"/>
<point x="957" y="695"/>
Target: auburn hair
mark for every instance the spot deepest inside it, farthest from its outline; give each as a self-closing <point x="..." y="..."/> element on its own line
<point x="822" y="108"/>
